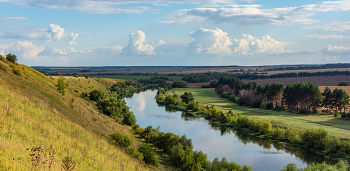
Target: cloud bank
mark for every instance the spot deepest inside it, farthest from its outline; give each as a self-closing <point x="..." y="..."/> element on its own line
<point x="253" y="15"/>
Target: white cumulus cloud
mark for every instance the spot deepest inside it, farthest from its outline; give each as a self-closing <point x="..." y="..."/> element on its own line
<point x="56" y="32"/>
<point x="254" y="15"/>
<point x="136" y="46"/>
<point x="207" y="41"/>
<point x="49" y="51"/>
<point x="325" y="37"/>
<point x="250" y="45"/>
<point x="22" y="49"/>
<point x="71" y="38"/>
<point x="336" y="50"/>
<point x="336" y="26"/>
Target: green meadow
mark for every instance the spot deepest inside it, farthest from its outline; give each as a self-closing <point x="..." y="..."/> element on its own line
<point x="336" y="127"/>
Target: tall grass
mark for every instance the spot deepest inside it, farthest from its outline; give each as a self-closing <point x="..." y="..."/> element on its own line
<point x="34" y="114"/>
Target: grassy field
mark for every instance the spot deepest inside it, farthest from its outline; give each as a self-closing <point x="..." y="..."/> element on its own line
<point x="336" y="127"/>
<point x="134" y="77"/>
<point x="34" y="114"/>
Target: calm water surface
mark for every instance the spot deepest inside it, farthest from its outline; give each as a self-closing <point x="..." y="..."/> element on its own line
<point x="261" y="154"/>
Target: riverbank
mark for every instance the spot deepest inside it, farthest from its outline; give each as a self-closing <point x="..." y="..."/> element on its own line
<point x="336" y="127"/>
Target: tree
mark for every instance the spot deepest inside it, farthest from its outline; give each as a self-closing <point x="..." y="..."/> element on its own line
<point x="327" y="99"/>
<point x="86" y="76"/>
<point x="187" y="97"/>
<point x="341" y="99"/>
<point x="12" y="58"/>
<point x="129" y="119"/>
<point x="61" y="84"/>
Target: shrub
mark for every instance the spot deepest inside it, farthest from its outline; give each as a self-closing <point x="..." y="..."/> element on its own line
<point x="279" y="133"/>
<point x="2" y="59"/>
<point x="269" y="105"/>
<point x="233" y="98"/>
<point x="3" y="68"/>
<point x="16" y="71"/>
<point x="121" y="140"/>
<point x="266" y="127"/>
<point x="315" y="138"/>
<point x="129" y="119"/>
<point x="149" y="156"/>
<point x="343" y="84"/>
<point x="133" y="152"/>
<point x="97" y="95"/>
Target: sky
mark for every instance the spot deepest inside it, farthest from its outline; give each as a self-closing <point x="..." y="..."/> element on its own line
<point x="175" y="32"/>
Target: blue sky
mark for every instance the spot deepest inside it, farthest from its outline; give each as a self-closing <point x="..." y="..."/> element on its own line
<point x="175" y="32"/>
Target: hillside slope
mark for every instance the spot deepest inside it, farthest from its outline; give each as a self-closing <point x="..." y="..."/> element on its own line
<point x="34" y="114"/>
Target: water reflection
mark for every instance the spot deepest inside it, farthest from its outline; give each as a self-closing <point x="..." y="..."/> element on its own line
<point x="217" y="141"/>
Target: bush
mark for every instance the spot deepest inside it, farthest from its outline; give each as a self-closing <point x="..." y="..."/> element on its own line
<point x="2" y="59"/>
<point x="343" y="84"/>
<point x="315" y="138"/>
<point x="269" y="105"/>
<point x="121" y="140"/>
<point x="129" y="119"/>
<point x="233" y="98"/>
<point x="133" y="152"/>
<point x="97" y="95"/>
<point x="3" y="68"/>
<point x="16" y="71"/>
<point x="149" y="156"/>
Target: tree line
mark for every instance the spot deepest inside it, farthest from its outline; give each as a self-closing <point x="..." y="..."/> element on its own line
<point x="209" y="76"/>
<point x="304" y="97"/>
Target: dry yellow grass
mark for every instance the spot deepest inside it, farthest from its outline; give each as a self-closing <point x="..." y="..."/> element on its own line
<point x="34" y="114"/>
<point x="345" y="88"/>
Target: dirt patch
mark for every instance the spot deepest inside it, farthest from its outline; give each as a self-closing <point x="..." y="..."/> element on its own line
<point x="320" y="81"/>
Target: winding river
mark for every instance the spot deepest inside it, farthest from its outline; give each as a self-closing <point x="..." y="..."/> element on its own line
<point x="262" y="154"/>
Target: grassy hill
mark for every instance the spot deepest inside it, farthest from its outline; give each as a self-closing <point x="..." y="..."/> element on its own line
<point x="39" y="127"/>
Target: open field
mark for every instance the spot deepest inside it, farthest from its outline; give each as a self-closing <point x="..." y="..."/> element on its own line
<point x="34" y="114"/>
<point x="134" y="77"/>
<point x="163" y="70"/>
<point x="321" y="80"/>
<point x="336" y="127"/>
<point x="308" y="70"/>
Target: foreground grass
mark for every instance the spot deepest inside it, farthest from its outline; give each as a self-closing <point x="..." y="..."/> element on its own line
<point x="34" y="114"/>
<point x="336" y="127"/>
<point x="135" y="77"/>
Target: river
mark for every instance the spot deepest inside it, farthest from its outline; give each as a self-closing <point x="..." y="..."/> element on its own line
<point x="260" y="153"/>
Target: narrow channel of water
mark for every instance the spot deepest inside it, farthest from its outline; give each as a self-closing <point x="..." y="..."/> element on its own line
<point x="260" y="153"/>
